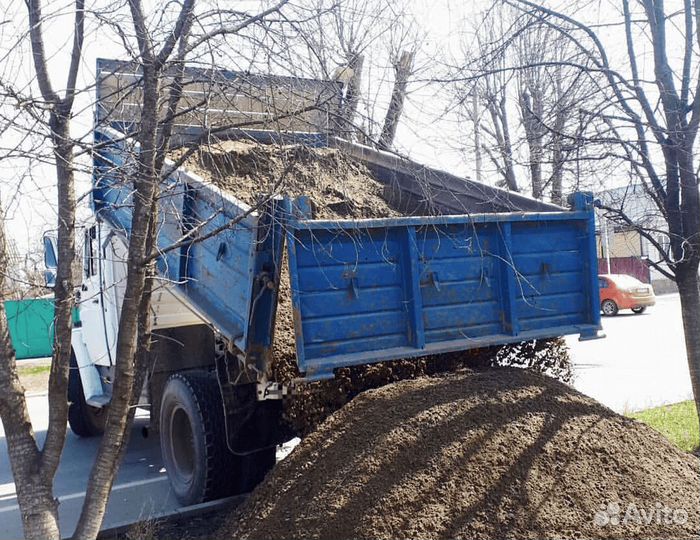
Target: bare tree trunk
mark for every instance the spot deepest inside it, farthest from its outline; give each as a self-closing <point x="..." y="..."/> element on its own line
<point x="689" y="289"/>
<point x="558" y="158"/>
<point x="476" y="118"/>
<point x="39" y="508"/>
<point x="507" y="148"/>
<point x="496" y="106"/>
<point x="532" y="110"/>
<point x="64" y="294"/>
<point x="352" y="95"/>
<point x="402" y="69"/>
<point x="119" y="416"/>
<point x="557" y="172"/>
<point x="133" y="339"/>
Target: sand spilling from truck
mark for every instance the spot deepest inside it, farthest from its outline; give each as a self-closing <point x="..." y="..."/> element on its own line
<point x="338" y="187"/>
<point x="494" y="454"/>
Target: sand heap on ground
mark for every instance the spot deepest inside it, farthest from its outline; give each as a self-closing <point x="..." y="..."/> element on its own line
<point x="496" y="454"/>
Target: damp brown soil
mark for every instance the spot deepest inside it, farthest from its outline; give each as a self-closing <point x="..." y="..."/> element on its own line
<point x="492" y="454"/>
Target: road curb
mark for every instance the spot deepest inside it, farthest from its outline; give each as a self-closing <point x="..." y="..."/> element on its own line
<point x="186" y="511"/>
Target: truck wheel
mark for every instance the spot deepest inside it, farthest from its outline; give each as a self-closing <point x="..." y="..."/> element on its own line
<point x="193" y="440"/>
<point x="83" y="419"/>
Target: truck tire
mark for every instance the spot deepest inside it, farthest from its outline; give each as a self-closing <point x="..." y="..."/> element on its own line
<point x="83" y="419"/>
<point x="193" y="440"/>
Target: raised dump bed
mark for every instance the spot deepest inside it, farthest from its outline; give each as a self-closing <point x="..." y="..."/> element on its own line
<point x="502" y="268"/>
<point x="368" y="290"/>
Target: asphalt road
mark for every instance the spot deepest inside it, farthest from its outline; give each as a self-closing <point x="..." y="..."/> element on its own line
<point x="141" y="488"/>
<point x="640" y="363"/>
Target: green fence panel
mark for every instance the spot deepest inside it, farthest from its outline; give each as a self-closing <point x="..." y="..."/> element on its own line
<point x="31" y="327"/>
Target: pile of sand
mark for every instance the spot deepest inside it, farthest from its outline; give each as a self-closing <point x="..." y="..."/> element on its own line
<point x="502" y="453"/>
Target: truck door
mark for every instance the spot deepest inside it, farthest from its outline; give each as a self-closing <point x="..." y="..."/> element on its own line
<point x="98" y="327"/>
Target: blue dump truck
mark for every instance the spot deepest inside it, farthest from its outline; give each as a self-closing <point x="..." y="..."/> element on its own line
<point x="471" y="266"/>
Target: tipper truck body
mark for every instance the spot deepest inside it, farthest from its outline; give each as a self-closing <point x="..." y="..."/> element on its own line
<point x="493" y="268"/>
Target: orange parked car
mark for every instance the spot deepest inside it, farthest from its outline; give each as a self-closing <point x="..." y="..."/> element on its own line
<point x="620" y="291"/>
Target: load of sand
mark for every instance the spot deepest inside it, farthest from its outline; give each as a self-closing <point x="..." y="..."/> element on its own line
<point x="495" y="454"/>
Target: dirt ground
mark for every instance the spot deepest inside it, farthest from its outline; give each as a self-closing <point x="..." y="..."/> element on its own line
<point x="187" y="527"/>
<point x="34" y="375"/>
<point x="499" y="453"/>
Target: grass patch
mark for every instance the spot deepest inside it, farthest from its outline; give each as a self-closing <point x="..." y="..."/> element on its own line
<point x="677" y="422"/>
<point x="32" y="370"/>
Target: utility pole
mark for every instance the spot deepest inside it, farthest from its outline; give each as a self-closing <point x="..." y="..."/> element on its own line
<point x="606" y="243"/>
<point x="477" y="135"/>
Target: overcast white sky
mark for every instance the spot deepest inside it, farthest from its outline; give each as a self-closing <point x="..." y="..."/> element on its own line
<point x="425" y="134"/>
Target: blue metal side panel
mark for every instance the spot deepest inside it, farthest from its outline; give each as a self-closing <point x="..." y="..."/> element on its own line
<point x="220" y="270"/>
<point x="550" y="274"/>
<point x="584" y="202"/>
<point x="459" y="277"/>
<point x="372" y="290"/>
<point x="216" y="275"/>
<point x="348" y="293"/>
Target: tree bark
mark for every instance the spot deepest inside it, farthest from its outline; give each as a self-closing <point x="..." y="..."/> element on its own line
<point x="506" y="147"/>
<point x="352" y="96"/>
<point x="689" y="289"/>
<point x="64" y="295"/>
<point x="558" y="158"/>
<point x="120" y="412"/>
<point x="38" y="507"/>
<point x="476" y="118"/>
<point x="532" y="110"/>
<point x="496" y="106"/>
<point x="402" y="70"/>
